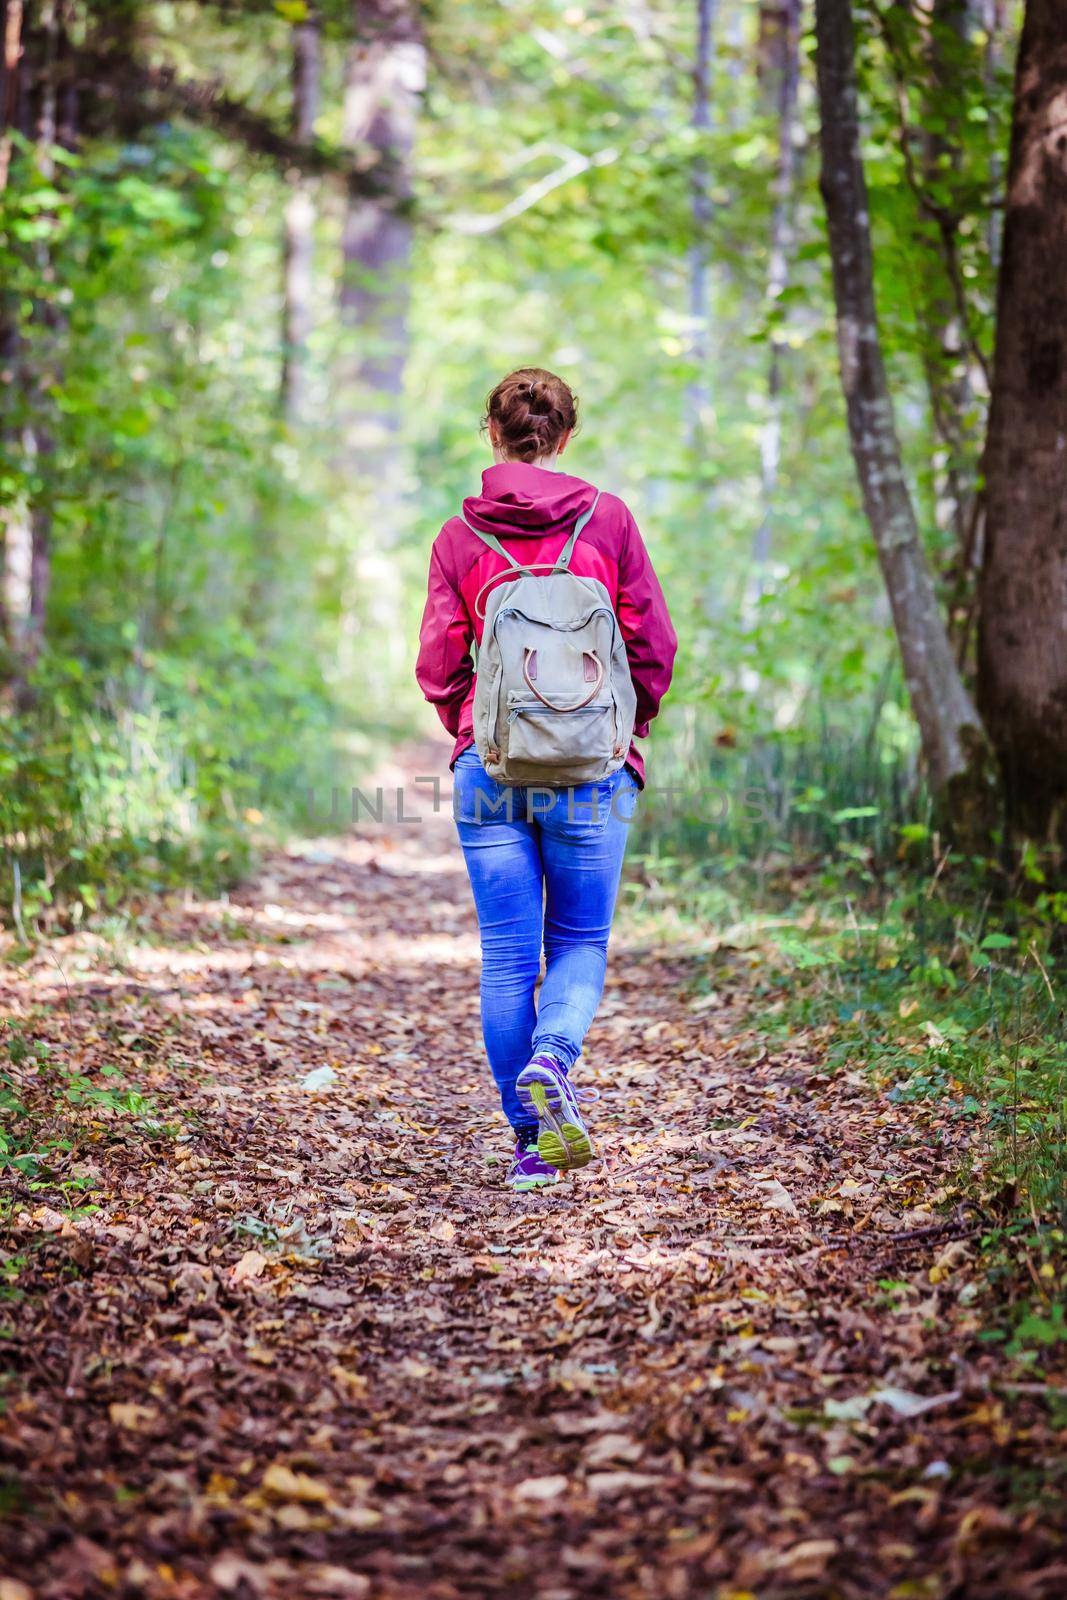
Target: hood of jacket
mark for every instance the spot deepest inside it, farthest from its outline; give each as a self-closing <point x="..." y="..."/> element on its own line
<point x="518" y="499"/>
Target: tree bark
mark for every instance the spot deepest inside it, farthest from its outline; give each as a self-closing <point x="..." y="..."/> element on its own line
<point x="701" y="207"/>
<point x="950" y="380"/>
<point x="39" y="436"/>
<point x="384" y="81"/>
<point x="779" y="73"/>
<point x="299" y="245"/>
<point x="10" y="57"/>
<point x="385" y="78"/>
<point x="1023" y="596"/>
<point x="995" y="27"/>
<point x="11" y="13"/>
<point x="952" y="741"/>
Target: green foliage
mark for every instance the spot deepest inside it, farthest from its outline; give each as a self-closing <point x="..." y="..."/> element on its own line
<point x="952" y="1010"/>
<point x="212" y="621"/>
<point x="183" y="691"/>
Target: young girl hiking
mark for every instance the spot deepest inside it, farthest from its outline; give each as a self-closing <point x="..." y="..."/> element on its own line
<point x="550" y="580"/>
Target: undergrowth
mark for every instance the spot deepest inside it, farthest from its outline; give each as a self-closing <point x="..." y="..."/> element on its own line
<point x="114" y="788"/>
<point x="943" y="976"/>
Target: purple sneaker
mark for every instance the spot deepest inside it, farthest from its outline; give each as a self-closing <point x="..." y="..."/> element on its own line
<point x="528" y="1171"/>
<point x="545" y="1092"/>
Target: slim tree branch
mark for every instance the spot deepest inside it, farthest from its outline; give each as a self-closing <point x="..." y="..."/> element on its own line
<point x="155" y="92"/>
<point x="943" y="219"/>
<point x="572" y="165"/>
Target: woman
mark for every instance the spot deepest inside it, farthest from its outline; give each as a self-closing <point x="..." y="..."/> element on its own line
<point x="544" y="864"/>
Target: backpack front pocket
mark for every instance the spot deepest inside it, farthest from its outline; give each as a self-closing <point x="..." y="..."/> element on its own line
<point x="539" y="736"/>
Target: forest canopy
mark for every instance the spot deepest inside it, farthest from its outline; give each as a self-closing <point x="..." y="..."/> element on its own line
<point x="264" y="260"/>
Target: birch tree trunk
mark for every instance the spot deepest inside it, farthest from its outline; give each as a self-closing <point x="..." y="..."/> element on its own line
<point x="28" y="521"/>
<point x="1023" y="596"/>
<point x="952" y="740"/>
<point x="300" y="223"/>
<point x="701" y="207"/>
<point x="779" y="60"/>
<point x="10" y="59"/>
<point x="46" y="355"/>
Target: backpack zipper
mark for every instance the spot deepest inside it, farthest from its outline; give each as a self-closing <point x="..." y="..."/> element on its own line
<point x="554" y="711"/>
<point x="516" y="611"/>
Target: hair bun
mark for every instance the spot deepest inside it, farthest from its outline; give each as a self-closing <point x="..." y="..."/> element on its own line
<point x="530" y="411"/>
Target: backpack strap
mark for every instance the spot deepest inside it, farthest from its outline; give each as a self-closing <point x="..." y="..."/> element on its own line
<point x="527" y="569"/>
<point x="565" y="554"/>
<point x="494" y="544"/>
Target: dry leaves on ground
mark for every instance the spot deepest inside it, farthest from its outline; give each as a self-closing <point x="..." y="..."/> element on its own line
<point x="307" y="1345"/>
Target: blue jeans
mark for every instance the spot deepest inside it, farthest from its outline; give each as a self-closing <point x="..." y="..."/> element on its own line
<point x="544" y="866"/>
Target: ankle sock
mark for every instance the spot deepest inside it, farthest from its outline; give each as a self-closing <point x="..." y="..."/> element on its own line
<point x="526" y="1134"/>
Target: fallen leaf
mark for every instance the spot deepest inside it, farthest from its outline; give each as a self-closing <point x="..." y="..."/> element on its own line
<point x="906" y="1404"/>
<point x="777" y="1196"/>
<point x="230" y="1570"/>
<point x="612" y="1447"/>
<point x="850" y="1410"/>
<point x="984" y="1525"/>
<point x="362" y="1518"/>
<point x="127" y="1414"/>
<point x="352" y="1383"/>
<point x="549" y="1488"/>
<point x="807" y="1561"/>
<point x="339" y="1584"/>
<point x="319" y="1078"/>
<point x="282" y="1483"/>
<point x="610" y="1483"/>
<point x="321" y="1295"/>
<point x="251" y="1265"/>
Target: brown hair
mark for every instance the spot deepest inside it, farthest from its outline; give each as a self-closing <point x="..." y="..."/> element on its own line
<point x="530" y="411"/>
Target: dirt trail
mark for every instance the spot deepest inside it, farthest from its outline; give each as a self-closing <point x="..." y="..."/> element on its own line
<point x="310" y="1347"/>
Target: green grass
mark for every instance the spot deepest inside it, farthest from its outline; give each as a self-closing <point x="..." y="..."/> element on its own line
<point x="942" y="976"/>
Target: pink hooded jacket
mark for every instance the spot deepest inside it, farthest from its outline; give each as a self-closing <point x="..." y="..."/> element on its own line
<point x="532" y="511"/>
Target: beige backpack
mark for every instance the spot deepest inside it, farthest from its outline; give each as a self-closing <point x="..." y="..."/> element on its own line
<point x="553" y="702"/>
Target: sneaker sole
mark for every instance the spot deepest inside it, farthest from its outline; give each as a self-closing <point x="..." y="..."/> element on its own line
<point x="561" y="1143"/>
<point x="531" y="1185"/>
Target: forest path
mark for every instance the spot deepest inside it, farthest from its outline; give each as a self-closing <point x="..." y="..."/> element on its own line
<point x="310" y="1347"/>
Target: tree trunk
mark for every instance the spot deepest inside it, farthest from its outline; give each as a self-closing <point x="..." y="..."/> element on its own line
<point x="385" y="78"/>
<point x="950" y="380"/>
<point x="777" y="18"/>
<point x="779" y="73"/>
<point x="47" y="116"/>
<point x="10" y="59"/>
<point x="11" y="30"/>
<point x="700" y="389"/>
<point x="300" y="224"/>
<point x="951" y="735"/>
<point x="995" y="27"/>
<point x="40" y="441"/>
<point x="32" y="40"/>
<point x="1023" y="600"/>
